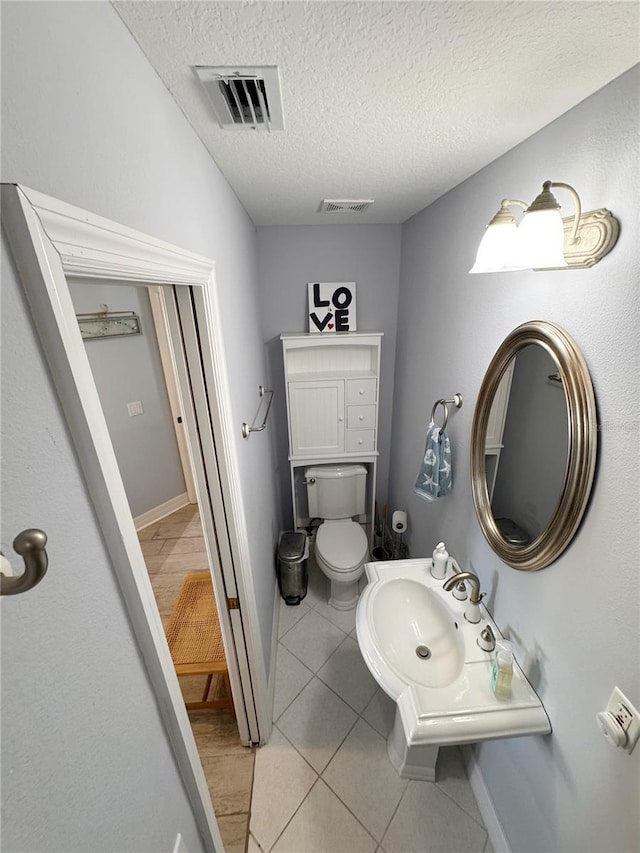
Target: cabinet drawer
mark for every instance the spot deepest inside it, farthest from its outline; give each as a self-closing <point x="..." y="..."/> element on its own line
<point x="361" y="440"/>
<point x="361" y="417"/>
<point x="361" y="390"/>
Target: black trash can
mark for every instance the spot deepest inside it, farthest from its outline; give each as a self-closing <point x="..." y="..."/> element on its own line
<point x="293" y="552"/>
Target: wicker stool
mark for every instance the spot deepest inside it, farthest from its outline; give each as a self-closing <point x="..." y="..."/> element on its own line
<point x="195" y="640"/>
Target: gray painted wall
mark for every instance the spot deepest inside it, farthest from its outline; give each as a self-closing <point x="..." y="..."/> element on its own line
<point x="85" y="119"/>
<point x="126" y="369"/>
<point x="289" y="258"/>
<point x="571" y="790"/>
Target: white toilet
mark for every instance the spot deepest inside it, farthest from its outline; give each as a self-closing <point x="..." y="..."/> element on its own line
<point x="336" y="493"/>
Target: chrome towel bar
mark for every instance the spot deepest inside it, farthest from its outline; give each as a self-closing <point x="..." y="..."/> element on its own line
<point x="246" y="429"/>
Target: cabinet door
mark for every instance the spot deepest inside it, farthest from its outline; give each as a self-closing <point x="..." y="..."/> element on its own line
<point x="317" y="417"/>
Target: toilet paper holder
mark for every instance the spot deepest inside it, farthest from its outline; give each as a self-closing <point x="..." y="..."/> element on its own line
<point x="399" y="521"/>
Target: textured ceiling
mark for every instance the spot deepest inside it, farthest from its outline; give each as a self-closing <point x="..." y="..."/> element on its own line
<point x="395" y="101"/>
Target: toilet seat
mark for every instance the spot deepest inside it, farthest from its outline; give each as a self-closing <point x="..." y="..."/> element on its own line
<point x="342" y="544"/>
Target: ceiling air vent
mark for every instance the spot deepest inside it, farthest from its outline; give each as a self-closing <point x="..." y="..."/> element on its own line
<point x="334" y="205"/>
<point x="245" y="97"/>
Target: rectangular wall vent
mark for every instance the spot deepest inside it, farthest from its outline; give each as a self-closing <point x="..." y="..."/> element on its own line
<point x="334" y="205"/>
<point x="244" y="97"/>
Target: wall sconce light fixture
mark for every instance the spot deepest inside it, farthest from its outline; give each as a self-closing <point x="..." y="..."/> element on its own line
<point x="544" y="240"/>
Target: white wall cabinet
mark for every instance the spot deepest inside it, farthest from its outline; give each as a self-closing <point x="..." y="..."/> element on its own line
<point x="332" y="384"/>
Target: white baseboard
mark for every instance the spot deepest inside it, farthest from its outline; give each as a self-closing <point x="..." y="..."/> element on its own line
<point x="485" y="803"/>
<point x="271" y="684"/>
<point x="162" y="511"/>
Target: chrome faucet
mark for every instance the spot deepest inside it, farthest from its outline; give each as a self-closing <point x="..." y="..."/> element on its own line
<point x="474" y="580"/>
<point x="472" y="613"/>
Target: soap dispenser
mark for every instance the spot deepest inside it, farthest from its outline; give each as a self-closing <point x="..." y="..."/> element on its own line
<point x="440" y="562"/>
<point x="502" y="672"/>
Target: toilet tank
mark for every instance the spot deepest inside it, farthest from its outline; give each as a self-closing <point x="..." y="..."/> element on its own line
<point x="337" y="491"/>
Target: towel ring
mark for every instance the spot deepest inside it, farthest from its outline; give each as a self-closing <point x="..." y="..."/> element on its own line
<point x="442" y="403"/>
<point x="457" y="402"/>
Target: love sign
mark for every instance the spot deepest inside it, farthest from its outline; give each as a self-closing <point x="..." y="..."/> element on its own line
<point x="332" y="306"/>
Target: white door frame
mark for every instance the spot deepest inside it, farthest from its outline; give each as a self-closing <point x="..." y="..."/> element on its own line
<point x="50" y="241"/>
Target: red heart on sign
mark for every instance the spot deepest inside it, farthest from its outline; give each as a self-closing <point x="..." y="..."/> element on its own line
<point x="331" y="325"/>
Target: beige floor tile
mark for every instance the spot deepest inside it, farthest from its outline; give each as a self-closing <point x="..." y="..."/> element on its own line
<point x="428" y="821"/>
<point x="151" y="547"/>
<point x="323" y="824"/>
<point x="289" y="615"/>
<point x="175" y="530"/>
<point x="234" y="830"/>
<point x="229" y="776"/>
<point x="451" y="778"/>
<point x="313" y="640"/>
<point x="217" y="731"/>
<point x="190" y="545"/>
<point x="188" y="512"/>
<point x="346" y="673"/>
<point x="316" y="723"/>
<point x="380" y="712"/>
<point x="282" y="780"/>
<point x="361" y="774"/>
<point x="147" y="532"/>
<point x="253" y="846"/>
<point x="176" y="563"/>
<point x="291" y="677"/>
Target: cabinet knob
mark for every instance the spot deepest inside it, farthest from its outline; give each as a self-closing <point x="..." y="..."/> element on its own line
<point x="360" y="441"/>
<point x="340" y="418"/>
<point x="361" y="391"/>
<point x="360" y="417"/>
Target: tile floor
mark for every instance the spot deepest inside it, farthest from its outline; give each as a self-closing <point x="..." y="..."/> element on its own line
<point x="324" y="783"/>
<point x="173" y="547"/>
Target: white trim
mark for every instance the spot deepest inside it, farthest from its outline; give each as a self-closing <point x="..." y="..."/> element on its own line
<point x="173" y="391"/>
<point x="480" y="790"/>
<point x="274" y="653"/>
<point x="162" y="511"/>
<point x="50" y="241"/>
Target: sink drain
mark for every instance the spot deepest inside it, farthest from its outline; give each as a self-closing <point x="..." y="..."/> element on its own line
<point x="423" y="652"/>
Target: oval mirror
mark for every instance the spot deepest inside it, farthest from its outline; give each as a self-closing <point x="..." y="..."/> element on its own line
<point x="533" y="445"/>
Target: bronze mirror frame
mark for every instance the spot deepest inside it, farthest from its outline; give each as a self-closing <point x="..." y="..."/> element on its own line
<point x="582" y="445"/>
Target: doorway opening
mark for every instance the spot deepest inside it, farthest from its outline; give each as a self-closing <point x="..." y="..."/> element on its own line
<point x="142" y="404"/>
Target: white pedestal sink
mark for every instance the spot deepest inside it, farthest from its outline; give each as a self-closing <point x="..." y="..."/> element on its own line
<point x="424" y="654"/>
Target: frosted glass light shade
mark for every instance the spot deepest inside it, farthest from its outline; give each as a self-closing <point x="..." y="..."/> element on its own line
<point x="541" y="235"/>
<point x="499" y="249"/>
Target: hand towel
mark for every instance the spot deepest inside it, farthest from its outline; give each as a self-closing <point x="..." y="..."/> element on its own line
<point x="434" y="477"/>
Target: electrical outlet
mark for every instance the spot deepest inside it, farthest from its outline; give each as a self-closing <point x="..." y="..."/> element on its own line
<point x="627" y="716"/>
<point x="135" y="408"/>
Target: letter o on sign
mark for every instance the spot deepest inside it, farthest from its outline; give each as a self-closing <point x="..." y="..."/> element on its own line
<point x="342" y="297"/>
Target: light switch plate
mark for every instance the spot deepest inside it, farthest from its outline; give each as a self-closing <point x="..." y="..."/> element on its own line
<point x="135" y="408"/>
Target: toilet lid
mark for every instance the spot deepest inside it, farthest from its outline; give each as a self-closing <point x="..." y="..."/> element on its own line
<point x="342" y="543"/>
